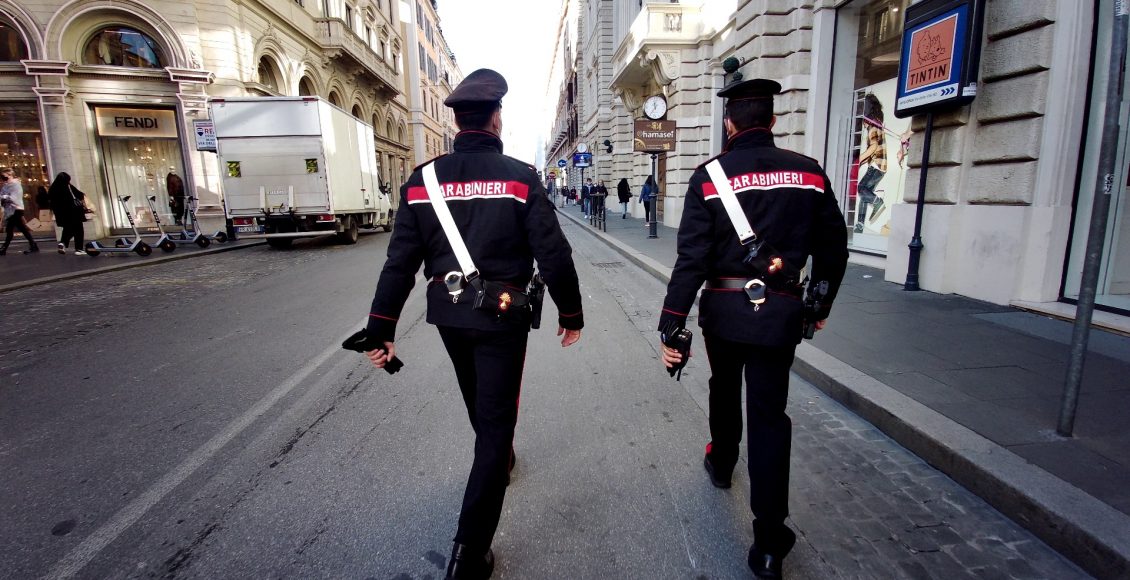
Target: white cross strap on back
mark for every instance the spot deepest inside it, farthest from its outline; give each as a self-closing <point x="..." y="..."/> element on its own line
<point x="730" y="202"/>
<point x="439" y="204"/>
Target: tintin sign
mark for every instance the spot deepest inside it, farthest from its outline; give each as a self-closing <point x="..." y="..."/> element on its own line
<point x="941" y="49"/>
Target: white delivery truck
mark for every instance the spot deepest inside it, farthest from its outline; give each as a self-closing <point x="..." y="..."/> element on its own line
<point x="297" y="167"/>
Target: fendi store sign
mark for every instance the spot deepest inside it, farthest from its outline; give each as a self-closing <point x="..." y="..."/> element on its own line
<point x="146" y="123"/>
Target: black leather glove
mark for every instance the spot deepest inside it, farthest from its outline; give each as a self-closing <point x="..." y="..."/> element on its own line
<point x="361" y="342"/>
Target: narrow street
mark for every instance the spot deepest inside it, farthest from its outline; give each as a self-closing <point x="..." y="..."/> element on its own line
<point x="197" y="419"/>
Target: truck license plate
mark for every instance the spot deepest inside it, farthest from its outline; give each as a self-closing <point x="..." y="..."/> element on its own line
<point x="248" y="229"/>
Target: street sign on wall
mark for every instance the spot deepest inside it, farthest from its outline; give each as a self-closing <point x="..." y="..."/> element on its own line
<point x="941" y="50"/>
<point x="582" y="159"/>
<point x="561" y="163"/>
<point x="654" y="136"/>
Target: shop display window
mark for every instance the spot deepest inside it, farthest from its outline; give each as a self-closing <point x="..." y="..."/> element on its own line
<point x="868" y="152"/>
<point x="120" y="46"/>
<point x="140" y="168"/>
<point x="22" y="149"/>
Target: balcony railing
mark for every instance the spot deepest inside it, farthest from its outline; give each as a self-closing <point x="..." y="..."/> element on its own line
<point x="659" y="25"/>
<point x="334" y="35"/>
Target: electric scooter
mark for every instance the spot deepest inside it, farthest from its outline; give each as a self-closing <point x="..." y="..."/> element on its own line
<point x="137" y="245"/>
<point x="165" y="242"/>
<point x="192" y="231"/>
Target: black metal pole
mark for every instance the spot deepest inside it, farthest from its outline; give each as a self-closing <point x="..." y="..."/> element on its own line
<point x="1096" y="235"/>
<point x="915" y="244"/>
<point x="652" y="227"/>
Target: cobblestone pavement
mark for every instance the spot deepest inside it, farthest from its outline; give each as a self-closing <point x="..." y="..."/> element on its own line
<point x="863" y="506"/>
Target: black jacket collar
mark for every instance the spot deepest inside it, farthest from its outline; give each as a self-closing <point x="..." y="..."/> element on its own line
<point x="755" y="137"/>
<point x="468" y="141"/>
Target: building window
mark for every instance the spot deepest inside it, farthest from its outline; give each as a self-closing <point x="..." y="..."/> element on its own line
<point x="384" y="50"/>
<point x="306" y="88"/>
<point x="423" y="59"/>
<point x="266" y="75"/>
<point x="121" y="46"/>
<point x="325" y="8"/>
<point x="432" y="70"/>
<point x="356" y="112"/>
<point x="349" y="16"/>
<point x="12" y="46"/>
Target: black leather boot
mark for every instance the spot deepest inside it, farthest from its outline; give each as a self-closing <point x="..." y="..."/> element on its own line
<point x="771" y="544"/>
<point x="720" y="476"/>
<point x="465" y="564"/>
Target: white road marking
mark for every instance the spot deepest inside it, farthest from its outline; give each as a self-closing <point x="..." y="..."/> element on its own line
<point x="82" y="554"/>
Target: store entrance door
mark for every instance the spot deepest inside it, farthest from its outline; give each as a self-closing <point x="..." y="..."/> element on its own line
<point x="1113" y="290"/>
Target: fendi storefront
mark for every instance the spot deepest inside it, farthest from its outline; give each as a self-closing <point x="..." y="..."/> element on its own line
<point x="140" y="150"/>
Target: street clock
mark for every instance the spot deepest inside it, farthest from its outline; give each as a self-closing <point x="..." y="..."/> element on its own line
<point x="581" y="147"/>
<point x="655" y="107"/>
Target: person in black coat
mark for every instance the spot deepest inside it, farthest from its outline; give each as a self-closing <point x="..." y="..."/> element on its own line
<point x="69" y="206"/>
<point x="624" y="194"/>
<point x="748" y="328"/>
<point x="499" y="207"/>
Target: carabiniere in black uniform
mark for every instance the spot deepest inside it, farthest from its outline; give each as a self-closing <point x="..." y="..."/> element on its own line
<point x="789" y="203"/>
<point x="499" y="206"/>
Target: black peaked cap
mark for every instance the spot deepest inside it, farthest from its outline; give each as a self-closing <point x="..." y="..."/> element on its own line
<point x="481" y="89"/>
<point x="751" y="89"/>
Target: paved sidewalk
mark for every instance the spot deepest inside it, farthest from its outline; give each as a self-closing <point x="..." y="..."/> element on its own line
<point x="974" y="389"/>
<point x="19" y="270"/>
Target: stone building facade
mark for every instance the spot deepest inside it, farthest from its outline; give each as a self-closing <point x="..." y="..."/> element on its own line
<point x="1012" y="176"/>
<point x="433" y="74"/>
<point x="107" y="90"/>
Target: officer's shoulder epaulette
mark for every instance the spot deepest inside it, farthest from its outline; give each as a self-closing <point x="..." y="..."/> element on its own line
<point x="707" y="162"/>
<point x="417" y="168"/>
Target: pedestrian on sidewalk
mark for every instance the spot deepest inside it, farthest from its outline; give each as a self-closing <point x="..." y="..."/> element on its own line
<point x="12" y="199"/>
<point x="479" y="318"/>
<point x="648" y="194"/>
<point x="586" y="198"/>
<point x="752" y="312"/>
<point x="69" y="206"/>
<point x="624" y="194"/>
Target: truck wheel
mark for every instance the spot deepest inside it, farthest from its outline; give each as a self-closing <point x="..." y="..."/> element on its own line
<point x="349" y="236"/>
<point x="279" y="243"/>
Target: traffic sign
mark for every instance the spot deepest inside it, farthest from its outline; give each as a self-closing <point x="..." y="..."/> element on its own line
<point x="561" y="163"/>
<point x="553" y="175"/>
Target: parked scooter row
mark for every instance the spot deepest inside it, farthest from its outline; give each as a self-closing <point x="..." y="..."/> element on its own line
<point x="167" y="242"/>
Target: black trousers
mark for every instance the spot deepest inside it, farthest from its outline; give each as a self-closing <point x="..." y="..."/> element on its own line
<point x="488" y="366"/>
<point x="72" y="229"/>
<point x="769" y="443"/>
<point x="16" y="224"/>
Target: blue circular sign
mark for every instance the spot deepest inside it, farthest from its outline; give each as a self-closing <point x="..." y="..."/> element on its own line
<point x="561" y="163"/>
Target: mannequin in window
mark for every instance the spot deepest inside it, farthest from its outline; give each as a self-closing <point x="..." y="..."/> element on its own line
<point x="175" y="186"/>
<point x="872" y="162"/>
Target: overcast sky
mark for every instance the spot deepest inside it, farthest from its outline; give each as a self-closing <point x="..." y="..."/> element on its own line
<point x="515" y="38"/>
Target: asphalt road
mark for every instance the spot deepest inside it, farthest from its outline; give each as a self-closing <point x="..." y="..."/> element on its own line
<point x="197" y="419"/>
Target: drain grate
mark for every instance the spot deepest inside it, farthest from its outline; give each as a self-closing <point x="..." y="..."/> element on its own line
<point x="608" y="265"/>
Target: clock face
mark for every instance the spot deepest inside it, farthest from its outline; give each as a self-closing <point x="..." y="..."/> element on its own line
<point x="581" y="147"/>
<point x="655" y="107"/>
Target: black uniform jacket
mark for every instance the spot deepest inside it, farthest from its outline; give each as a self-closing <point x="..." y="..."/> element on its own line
<point x="789" y="203"/>
<point x="506" y="220"/>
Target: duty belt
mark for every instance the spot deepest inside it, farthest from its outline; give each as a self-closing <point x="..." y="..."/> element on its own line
<point x="740" y="284"/>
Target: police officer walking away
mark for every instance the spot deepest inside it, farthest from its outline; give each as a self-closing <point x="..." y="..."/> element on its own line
<point x="752" y="218"/>
<point x="502" y="215"/>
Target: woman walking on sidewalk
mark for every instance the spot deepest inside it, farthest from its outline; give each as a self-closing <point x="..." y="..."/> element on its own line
<point x="69" y="206"/>
<point x="624" y="195"/>
<point x="647" y="197"/>
<point x="12" y="198"/>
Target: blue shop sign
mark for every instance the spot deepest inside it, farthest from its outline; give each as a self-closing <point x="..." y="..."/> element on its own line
<point x="941" y="49"/>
